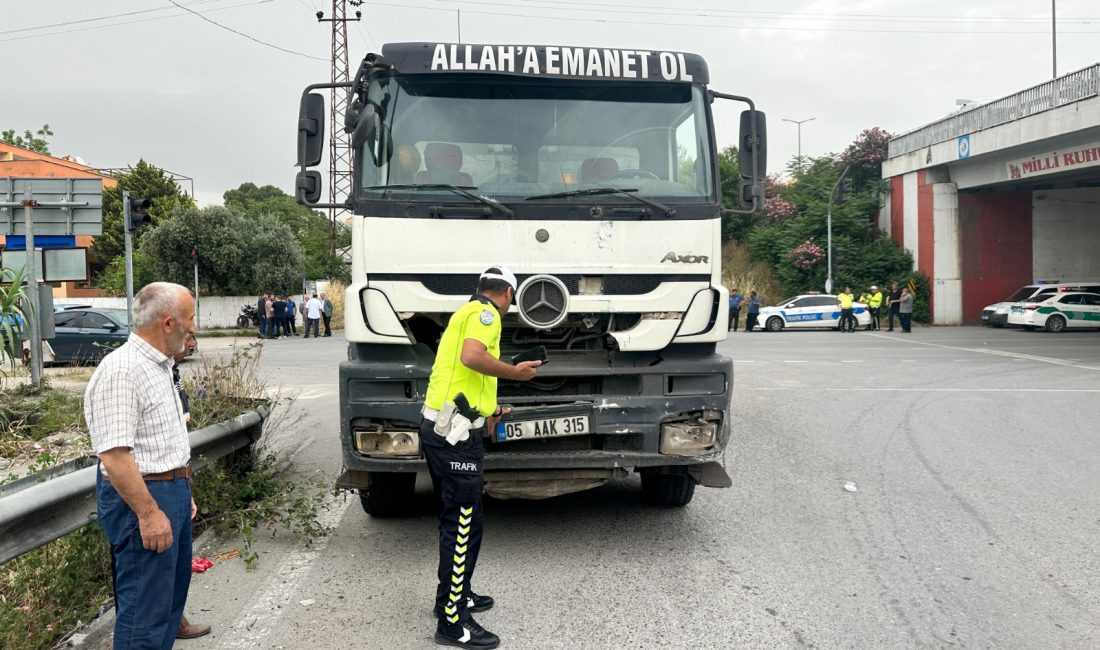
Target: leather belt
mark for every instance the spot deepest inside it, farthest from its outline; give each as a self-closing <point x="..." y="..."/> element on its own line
<point x="170" y="475"/>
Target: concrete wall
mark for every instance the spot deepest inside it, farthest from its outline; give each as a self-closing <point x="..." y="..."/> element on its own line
<point x="218" y="311"/>
<point x="994" y="248"/>
<point x="1066" y="234"/>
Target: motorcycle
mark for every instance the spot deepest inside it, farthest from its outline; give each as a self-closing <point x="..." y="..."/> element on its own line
<point x="248" y="317"/>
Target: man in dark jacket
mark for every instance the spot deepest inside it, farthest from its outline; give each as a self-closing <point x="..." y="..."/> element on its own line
<point x="261" y="313"/>
<point x="326" y="313"/>
<point x="278" y="307"/>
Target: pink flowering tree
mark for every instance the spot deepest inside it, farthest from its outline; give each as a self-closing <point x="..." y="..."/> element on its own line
<point x="806" y="255"/>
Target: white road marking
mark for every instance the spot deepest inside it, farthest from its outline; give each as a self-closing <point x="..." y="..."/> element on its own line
<point x="795" y="361"/>
<point x="260" y="616"/>
<point x="997" y="353"/>
<point x="851" y="360"/>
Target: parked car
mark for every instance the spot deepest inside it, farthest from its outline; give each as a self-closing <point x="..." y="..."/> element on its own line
<point x="1057" y="311"/>
<point x="86" y="335"/>
<point x="809" y="310"/>
<point x="997" y="313"/>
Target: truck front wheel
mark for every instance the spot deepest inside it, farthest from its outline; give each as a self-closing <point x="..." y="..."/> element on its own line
<point x="388" y="494"/>
<point x="664" y="488"/>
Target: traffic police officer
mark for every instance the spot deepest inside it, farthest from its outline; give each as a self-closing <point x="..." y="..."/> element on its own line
<point x="847" y="313"/>
<point x="460" y="406"/>
<point x="874" y="305"/>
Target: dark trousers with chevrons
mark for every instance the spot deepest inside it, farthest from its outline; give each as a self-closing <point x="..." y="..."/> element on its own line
<point x="458" y="479"/>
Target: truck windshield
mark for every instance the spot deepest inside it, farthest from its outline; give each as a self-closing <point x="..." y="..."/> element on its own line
<point x="512" y="137"/>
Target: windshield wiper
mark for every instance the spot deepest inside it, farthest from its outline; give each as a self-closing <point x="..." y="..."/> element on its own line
<point x="597" y="191"/>
<point x="461" y="191"/>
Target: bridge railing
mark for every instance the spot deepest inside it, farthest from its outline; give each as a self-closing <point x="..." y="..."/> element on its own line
<point x="1064" y="90"/>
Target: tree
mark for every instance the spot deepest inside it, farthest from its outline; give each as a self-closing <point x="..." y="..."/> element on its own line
<point x="237" y="255"/>
<point x="309" y="227"/>
<point x="143" y="181"/>
<point x="865" y="156"/>
<point x="33" y="141"/>
<point x="790" y="241"/>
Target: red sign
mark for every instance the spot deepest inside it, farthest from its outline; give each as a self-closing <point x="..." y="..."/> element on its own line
<point x="1055" y="161"/>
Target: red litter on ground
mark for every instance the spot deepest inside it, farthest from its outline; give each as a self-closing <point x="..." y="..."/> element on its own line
<point x="200" y="564"/>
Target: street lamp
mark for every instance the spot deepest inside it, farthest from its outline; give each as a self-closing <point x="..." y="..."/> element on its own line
<point x="829" y="228"/>
<point x="799" y="123"/>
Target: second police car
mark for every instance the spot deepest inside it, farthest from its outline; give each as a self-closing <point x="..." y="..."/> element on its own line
<point x="809" y="310"/>
<point x="1056" y="312"/>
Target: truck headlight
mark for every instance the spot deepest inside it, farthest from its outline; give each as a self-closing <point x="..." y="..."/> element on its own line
<point x="690" y="438"/>
<point x="375" y="442"/>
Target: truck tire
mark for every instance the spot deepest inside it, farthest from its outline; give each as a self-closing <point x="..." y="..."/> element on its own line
<point x="664" y="489"/>
<point x="388" y="494"/>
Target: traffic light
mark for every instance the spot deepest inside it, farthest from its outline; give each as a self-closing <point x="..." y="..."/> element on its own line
<point x="138" y="212"/>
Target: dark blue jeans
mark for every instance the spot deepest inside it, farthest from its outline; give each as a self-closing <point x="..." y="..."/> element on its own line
<point x="150" y="587"/>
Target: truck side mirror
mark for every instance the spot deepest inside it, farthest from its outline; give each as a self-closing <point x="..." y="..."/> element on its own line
<point x="307" y="187"/>
<point x="311" y="129"/>
<point x="753" y="151"/>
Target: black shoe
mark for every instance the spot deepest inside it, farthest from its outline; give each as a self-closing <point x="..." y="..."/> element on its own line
<point x="474" y="604"/>
<point x="466" y="634"/>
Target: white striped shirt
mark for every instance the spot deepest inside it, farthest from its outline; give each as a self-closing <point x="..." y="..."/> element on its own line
<point x="131" y="401"/>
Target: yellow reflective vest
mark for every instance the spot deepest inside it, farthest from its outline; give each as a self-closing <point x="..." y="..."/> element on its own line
<point x="875" y="300"/>
<point x="846" y="300"/>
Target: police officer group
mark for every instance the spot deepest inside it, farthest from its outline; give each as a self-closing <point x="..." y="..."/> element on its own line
<point x="460" y="408"/>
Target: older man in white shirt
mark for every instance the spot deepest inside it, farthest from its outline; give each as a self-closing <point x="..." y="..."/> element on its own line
<point x="143" y="488"/>
<point x="313" y="316"/>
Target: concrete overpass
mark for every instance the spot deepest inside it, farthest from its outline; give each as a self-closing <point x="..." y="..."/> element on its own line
<point x="1000" y="195"/>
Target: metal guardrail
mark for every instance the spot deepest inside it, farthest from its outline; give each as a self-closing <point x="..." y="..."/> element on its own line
<point x="38" y="509"/>
<point x="1064" y="90"/>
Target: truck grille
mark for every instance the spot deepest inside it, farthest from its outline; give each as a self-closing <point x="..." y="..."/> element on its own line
<point x="464" y="284"/>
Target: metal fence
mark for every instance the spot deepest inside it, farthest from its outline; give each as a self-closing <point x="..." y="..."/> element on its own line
<point x="38" y="509"/>
<point x="1064" y="90"/>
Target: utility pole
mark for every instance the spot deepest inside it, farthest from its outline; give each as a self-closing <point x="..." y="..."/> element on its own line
<point x="339" y="144"/>
<point x="799" y="123"/>
<point x="34" y="337"/>
<point x="129" y="253"/>
<point x="1054" y="38"/>
<point x="195" y="260"/>
<point x="829" y="228"/>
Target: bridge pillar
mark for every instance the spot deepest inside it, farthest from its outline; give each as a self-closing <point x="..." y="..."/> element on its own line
<point x="922" y="215"/>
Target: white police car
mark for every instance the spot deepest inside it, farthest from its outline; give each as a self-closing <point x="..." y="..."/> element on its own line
<point x="1058" y="311"/>
<point x="809" y="310"/>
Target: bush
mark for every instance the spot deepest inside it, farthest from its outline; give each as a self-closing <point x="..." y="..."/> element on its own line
<point x="48" y="591"/>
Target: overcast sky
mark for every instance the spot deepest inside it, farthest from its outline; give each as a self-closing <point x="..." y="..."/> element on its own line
<point x="162" y="84"/>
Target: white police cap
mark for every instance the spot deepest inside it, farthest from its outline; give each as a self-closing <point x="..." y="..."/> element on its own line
<point x="504" y="274"/>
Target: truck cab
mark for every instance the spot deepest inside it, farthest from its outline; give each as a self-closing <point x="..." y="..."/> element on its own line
<point x="592" y="174"/>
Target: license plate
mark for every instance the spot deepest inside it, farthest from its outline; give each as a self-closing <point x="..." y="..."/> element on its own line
<point x="574" y="425"/>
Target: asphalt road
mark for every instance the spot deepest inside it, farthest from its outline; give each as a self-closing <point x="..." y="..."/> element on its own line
<point x="973" y="521"/>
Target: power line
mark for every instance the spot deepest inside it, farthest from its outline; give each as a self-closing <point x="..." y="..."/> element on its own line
<point x="786" y="15"/>
<point x="251" y="38"/>
<point x="129" y="22"/>
<point x="968" y="32"/>
<point x="97" y="19"/>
